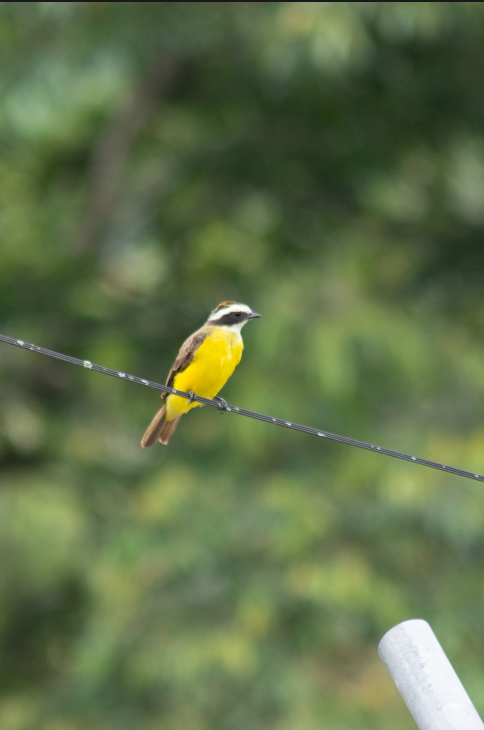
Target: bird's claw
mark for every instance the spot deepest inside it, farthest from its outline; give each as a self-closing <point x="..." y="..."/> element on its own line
<point x="191" y="398"/>
<point x="223" y="405"/>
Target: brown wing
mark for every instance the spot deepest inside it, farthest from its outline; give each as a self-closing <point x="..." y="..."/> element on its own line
<point x="186" y="355"/>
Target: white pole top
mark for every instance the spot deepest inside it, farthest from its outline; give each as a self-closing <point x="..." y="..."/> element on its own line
<point x="426" y="680"/>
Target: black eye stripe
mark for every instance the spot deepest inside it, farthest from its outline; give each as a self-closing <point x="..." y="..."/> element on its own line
<point x="230" y="318"/>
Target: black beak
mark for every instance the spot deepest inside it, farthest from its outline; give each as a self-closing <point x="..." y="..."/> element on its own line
<point x="253" y="315"/>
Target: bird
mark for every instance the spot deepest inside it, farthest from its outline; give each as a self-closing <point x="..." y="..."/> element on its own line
<point x="205" y="362"/>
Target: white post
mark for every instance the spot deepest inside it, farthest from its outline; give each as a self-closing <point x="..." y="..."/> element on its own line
<point x="426" y="680"/>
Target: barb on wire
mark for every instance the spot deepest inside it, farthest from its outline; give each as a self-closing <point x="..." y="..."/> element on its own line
<point x="216" y="403"/>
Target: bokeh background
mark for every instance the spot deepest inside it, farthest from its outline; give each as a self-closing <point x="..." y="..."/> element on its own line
<point x="324" y="163"/>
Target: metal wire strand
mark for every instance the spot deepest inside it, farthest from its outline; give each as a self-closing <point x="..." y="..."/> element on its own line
<point x="225" y="407"/>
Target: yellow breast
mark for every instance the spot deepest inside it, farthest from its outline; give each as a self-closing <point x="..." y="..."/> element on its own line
<point x="213" y="364"/>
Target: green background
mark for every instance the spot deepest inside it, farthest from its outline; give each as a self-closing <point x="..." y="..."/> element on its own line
<point x="323" y="163"/>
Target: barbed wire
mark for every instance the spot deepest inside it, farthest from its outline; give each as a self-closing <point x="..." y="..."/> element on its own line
<point x="222" y="407"/>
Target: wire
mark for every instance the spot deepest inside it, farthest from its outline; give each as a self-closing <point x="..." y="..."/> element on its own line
<point x="222" y="406"/>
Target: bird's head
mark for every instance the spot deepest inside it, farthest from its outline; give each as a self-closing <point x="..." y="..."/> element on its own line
<point x="232" y="315"/>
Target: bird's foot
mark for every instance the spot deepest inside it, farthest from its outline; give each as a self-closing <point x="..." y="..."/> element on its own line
<point x="223" y="405"/>
<point x="191" y="398"/>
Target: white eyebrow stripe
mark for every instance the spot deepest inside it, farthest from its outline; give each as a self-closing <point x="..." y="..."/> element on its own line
<point x="228" y="310"/>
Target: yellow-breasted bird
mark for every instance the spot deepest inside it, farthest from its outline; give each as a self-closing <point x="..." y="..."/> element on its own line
<point x="204" y="364"/>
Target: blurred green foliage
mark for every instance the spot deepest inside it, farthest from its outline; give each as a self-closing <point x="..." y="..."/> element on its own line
<point x="323" y="162"/>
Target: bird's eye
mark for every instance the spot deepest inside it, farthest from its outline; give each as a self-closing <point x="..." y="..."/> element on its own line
<point x="238" y="314"/>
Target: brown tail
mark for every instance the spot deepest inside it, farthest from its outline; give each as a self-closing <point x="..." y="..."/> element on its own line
<point x="159" y="429"/>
